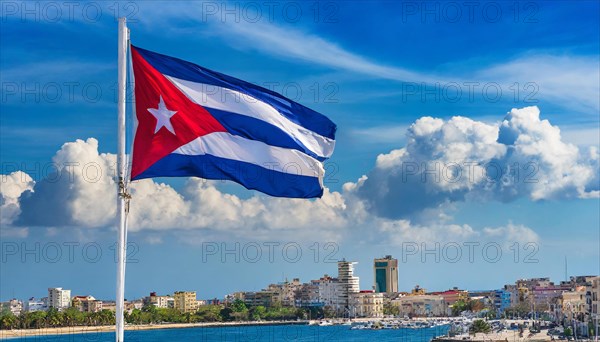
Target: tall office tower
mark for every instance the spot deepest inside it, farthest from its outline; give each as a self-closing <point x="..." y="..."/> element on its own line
<point x="386" y="274"/>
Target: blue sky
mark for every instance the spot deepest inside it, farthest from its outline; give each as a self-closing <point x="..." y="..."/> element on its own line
<point x="373" y="68"/>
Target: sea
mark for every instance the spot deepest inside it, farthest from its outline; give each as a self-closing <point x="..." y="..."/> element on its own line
<point x="270" y="333"/>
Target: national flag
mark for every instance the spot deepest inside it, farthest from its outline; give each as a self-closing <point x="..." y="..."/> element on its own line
<point x="192" y="121"/>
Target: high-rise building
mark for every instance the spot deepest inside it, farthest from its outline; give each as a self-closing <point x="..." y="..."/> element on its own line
<point x="348" y="284"/>
<point x="386" y="274"/>
<point x="59" y="298"/>
<point x="185" y="301"/>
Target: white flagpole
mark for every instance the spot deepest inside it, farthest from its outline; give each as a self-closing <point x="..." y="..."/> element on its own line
<point x="123" y="196"/>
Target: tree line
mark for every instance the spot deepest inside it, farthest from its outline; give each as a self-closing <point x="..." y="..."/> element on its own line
<point x="149" y="314"/>
<point x="52" y="318"/>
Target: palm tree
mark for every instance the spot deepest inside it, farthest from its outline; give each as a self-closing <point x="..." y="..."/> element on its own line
<point x="480" y="326"/>
<point x="8" y="321"/>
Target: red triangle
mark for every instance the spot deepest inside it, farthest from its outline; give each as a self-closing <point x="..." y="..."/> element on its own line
<point x="190" y="122"/>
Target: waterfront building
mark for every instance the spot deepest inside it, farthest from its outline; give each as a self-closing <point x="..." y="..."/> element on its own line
<point x="59" y="298"/>
<point x="129" y="306"/>
<point x="33" y="305"/>
<point x="285" y="292"/>
<point x="574" y="309"/>
<point x="385" y="274"/>
<point x="366" y="303"/>
<point x="87" y="304"/>
<point x="348" y="284"/>
<point x="544" y="297"/>
<point x="328" y="289"/>
<point x="14" y="305"/>
<point x="534" y="293"/>
<point x="421" y="305"/>
<point x="157" y="301"/>
<point x="264" y="298"/>
<point x="514" y="294"/>
<point x="109" y="305"/>
<point x="594" y="301"/>
<point x="452" y="296"/>
<point x="185" y="301"/>
<point x="308" y="296"/>
<point x="538" y="294"/>
<point x="502" y="300"/>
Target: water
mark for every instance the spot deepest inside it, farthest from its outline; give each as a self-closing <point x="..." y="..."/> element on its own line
<point x="268" y="333"/>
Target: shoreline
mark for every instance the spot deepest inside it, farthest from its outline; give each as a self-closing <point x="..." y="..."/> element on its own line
<point x="20" y="333"/>
<point x="507" y="335"/>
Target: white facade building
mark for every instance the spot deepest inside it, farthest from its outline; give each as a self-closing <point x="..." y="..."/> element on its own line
<point x="348" y="284"/>
<point x="33" y="305"/>
<point x="59" y="298"/>
<point x="328" y="290"/>
<point x="15" y="306"/>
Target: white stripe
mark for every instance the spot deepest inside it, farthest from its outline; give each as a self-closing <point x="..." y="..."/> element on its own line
<point x="228" y="146"/>
<point x="233" y="101"/>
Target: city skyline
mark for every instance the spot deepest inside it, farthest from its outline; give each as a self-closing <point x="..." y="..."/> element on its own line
<point x="423" y="287"/>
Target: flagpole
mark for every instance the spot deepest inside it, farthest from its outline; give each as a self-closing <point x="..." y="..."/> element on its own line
<point x="123" y="196"/>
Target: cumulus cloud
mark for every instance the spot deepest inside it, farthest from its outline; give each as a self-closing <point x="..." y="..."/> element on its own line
<point x="11" y="188"/>
<point x="406" y="196"/>
<point x="459" y="159"/>
<point x="82" y="193"/>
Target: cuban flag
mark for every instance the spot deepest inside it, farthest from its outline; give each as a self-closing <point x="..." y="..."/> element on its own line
<point x="192" y="121"/>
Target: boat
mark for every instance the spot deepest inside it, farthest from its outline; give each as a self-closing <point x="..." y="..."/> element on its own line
<point x="325" y="323"/>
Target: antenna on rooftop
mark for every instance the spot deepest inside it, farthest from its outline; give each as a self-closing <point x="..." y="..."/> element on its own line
<point x="566" y="273"/>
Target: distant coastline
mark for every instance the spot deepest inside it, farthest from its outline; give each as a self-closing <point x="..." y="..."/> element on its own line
<point x="20" y="333"/>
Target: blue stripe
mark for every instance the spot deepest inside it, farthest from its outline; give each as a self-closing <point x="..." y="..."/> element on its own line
<point x="255" y="129"/>
<point x="295" y="112"/>
<point x="251" y="176"/>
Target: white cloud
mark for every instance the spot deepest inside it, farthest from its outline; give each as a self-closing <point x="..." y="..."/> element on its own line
<point x="402" y="202"/>
<point x="401" y="232"/>
<point x="514" y="233"/>
<point x="568" y="80"/>
<point x="293" y="43"/>
<point x="459" y="159"/>
<point x="83" y="194"/>
<point x="11" y="188"/>
<point x="581" y="135"/>
<point x="558" y="169"/>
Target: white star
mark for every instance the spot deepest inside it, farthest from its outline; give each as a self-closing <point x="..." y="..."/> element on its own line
<point x="163" y="116"/>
